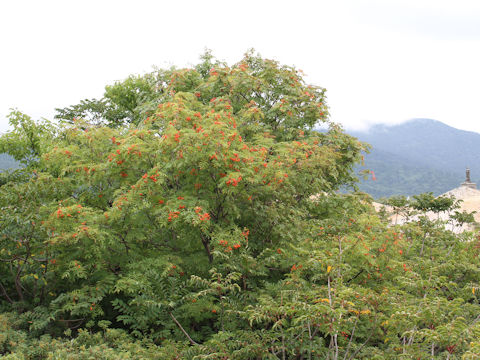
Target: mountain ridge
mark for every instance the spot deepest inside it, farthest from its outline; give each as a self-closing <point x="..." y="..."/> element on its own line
<point x="7" y="162"/>
<point x="421" y="154"/>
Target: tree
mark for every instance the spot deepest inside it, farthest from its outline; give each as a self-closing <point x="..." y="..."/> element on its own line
<point x="121" y="104"/>
<point x="28" y="140"/>
<point x="211" y="226"/>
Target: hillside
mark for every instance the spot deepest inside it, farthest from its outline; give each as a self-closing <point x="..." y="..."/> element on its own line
<point x="396" y="175"/>
<point x="6" y="162"/>
<point x="417" y="156"/>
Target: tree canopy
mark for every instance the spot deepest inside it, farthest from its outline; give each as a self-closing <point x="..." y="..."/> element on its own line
<point x="195" y="214"/>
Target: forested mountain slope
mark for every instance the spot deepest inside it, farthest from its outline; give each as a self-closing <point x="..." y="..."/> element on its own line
<point x="396" y="175"/>
<point x="419" y="155"/>
<point x="6" y="162"/>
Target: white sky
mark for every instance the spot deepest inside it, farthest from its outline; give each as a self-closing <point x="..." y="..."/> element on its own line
<point x="381" y="61"/>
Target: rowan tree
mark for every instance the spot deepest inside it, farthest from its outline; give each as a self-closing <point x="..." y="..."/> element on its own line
<point x="197" y="214"/>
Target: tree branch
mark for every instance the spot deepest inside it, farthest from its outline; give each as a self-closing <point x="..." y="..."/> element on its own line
<point x="182" y="329"/>
<point x="366" y="341"/>
<point x="206" y="245"/>
<point x="5" y="294"/>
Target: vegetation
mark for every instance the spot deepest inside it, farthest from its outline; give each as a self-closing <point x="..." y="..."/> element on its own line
<point x="205" y="222"/>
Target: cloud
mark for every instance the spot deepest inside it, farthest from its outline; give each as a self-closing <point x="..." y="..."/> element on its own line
<point x="439" y="19"/>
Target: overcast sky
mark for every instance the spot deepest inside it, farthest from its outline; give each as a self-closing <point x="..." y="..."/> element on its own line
<point x="383" y="61"/>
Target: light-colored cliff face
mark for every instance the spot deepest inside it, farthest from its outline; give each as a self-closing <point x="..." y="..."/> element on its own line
<point x="467" y="194"/>
<point x="470" y="202"/>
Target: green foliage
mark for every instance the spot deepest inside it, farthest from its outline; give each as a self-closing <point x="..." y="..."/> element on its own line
<point x="28" y="140"/>
<point x="427" y="202"/>
<point x="205" y="222"/>
<point x="122" y="103"/>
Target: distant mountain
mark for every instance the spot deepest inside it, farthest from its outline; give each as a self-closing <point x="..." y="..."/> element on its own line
<point x="396" y="175"/>
<point x="7" y="162"/>
<point x="419" y="155"/>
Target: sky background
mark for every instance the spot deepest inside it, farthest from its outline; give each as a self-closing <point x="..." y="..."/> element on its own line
<point x="383" y="61"/>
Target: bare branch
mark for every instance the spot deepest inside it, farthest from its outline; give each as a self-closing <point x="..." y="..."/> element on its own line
<point x="182" y="329"/>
